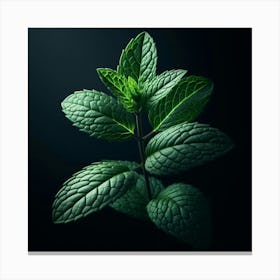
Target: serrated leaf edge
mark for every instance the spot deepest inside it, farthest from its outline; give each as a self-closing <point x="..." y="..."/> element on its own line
<point x="180" y="103"/>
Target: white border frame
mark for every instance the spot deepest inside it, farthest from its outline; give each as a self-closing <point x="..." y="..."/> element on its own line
<point x="17" y="16"/>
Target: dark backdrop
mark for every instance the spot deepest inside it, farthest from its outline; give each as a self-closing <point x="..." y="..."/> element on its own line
<point x="61" y="61"/>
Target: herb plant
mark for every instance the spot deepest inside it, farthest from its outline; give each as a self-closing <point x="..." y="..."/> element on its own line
<point x="176" y="143"/>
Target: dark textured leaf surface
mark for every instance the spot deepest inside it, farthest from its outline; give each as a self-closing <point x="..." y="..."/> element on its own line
<point x="182" y="211"/>
<point x="138" y="60"/>
<point x="161" y="85"/>
<point x="134" y="201"/>
<point x="182" y="104"/>
<point x="185" y="146"/>
<point x="98" y="115"/>
<point x="92" y="188"/>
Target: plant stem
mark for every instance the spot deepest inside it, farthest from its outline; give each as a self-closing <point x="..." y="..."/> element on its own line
<point x="140" y="143"/>
<point x="149" y="135"/>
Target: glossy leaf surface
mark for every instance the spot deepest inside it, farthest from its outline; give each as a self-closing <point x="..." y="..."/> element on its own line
<point x="182" y="211"/>
<point x="126" y="90"/>
<point x="134" y="201"/>
<point x="161" y="85"/>
<point x="99" y="115"/>
<point x="184" y="146"/>
<point x="139" y="59"/>
<point x="93" y="188"/>
<point x="182" y="104"/>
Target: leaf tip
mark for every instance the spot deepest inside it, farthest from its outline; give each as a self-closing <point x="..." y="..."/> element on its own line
<point x="99" y="70"/>
<point x="65" y="103"/>
<point x="55" y="218"/>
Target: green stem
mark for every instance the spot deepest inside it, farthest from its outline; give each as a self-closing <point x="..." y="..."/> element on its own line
<point x="140" y="143"/>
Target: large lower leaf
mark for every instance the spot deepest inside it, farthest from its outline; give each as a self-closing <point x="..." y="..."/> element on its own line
<point x="182" y="104"/>
<point x="182" y="211"/>
<point x="134" y="201"/>
<point x="138" y="60"/>
<point x="161" y="85"/>
<point x="185" y="146"/>
<point x="98" y="115"/>
<point x="92" y="188"/>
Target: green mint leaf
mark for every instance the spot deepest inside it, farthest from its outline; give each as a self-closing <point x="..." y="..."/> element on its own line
<point x="182" y="211"/>
<point x="114" y="81"/>
<point x="133" y="202"/>
<point x="138" y="60"/>
<point x="133" y="90"/>
<point x="92" y="188"/>
<point x="183" y="103"/>
<point x="126" y="90"/>
<point x="99" y="115"/>
<point x="161" y="85"/>
<point x="184" y="146"/>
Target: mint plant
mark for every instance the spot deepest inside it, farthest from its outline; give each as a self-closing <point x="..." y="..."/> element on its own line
<point x="172" y="102"/>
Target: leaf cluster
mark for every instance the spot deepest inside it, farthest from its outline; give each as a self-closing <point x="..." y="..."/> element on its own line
<point x="172" y="102"/>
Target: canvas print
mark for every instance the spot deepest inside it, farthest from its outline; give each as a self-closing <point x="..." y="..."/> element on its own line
<point x="132" y="147"/>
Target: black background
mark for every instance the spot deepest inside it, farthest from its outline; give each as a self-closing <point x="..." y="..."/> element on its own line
<point x="61" y="61"/>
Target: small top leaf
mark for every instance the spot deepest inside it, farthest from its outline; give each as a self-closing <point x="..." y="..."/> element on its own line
<point x="182" y="104"/>
<point x="182" y="211"/>
<point x="92" y="188"/>
<point x="184" y="146"/>
<point x="114" y="81"/>
<point x="161" y="85"/>
<point x="138" y="60"/>
<point x="126" y="90"/>
<point x="99" y="115"/>
<point x="134" y="201"/>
